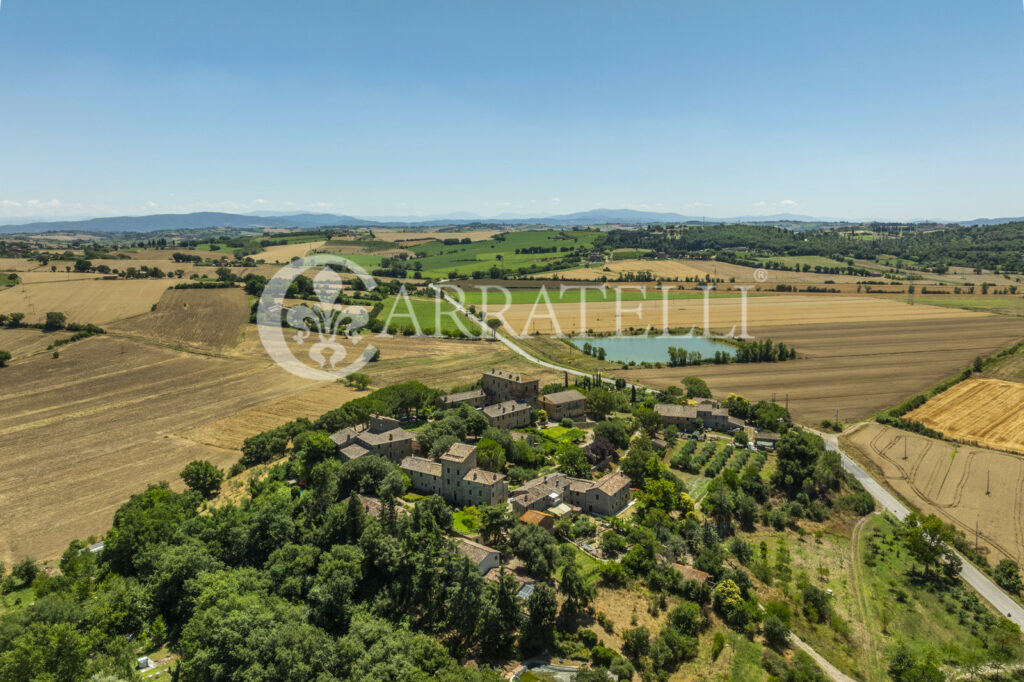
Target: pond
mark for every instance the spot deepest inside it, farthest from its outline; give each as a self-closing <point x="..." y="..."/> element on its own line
<point x="653" y="348"/>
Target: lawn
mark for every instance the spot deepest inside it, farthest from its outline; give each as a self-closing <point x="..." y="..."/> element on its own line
<point x="7" y="279"/>
<point x="407" y="313"/>
<point x="466" y="521"/>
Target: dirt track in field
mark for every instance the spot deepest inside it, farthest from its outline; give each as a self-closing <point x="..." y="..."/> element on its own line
<point x="951" y="481"/>
<point x="857" y="368"/>
<point x="988" y="412"/>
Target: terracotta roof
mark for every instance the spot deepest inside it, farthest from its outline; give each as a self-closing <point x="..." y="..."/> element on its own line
<point x="473" y="550"/>
<point x="503" y="374"/>
<point x="421" y="465"/>
<point x="458" y="452"/>
<point x="564" y="397"/>
<point x="536" y="517"/>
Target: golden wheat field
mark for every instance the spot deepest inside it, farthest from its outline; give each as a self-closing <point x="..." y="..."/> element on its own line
<point x="285" y="253"/>
<point x="857" y="368"/>
<point x="962" y="484"/>
<point x="989" y="412"/>
<point x="208" y="319"/>
<point x="681" y="269"/>
<point x="723" y="314"/>
<point x="84" y="301"/>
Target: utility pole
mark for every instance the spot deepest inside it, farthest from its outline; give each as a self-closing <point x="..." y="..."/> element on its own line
<point x="975" y="535"/>
<point x="787" y="402"/>
<point x="904" y="447"/>
<point x="988" y="480"/>
<point x="773" y="397"/>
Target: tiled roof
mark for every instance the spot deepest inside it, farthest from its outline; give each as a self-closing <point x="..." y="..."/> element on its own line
<point x="563" y="397"/>
<point x="483" y="476"/>
<point x="676" y="411"/>
<point x="344" y="436"/>
<point x="354" y="451"/>
<point x="507" y="407"/>
<point x="421" y="465"/>
<point x="465" y="395"/>
<point x="394" y="435"/>
<point x="536" y="517"/>
<point x="613" y="483"/>
<point x="473" y="550"/>
<point x="458" y="452"/>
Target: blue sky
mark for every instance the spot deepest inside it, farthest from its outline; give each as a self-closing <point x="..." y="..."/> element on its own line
<point x="863" y="109"/>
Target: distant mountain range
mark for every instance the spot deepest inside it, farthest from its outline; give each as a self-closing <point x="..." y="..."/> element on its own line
<point x="600" y="216"/>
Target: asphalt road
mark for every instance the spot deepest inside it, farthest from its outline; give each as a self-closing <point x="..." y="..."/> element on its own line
<point x="994" y="594"/>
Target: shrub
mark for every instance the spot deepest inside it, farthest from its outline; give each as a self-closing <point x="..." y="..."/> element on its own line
<point x="717" y="644"/>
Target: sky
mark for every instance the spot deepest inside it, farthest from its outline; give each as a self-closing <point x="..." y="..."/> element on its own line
<point x="856" y="110"/>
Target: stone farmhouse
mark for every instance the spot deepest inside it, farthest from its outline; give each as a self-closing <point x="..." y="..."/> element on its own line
<point x="605" y="497"/>
<point x="563" y="404"/>
<point x="486" y="558"/>
<point x="456" y="477"/>
<point x="501" y="386"/>
<point x="510" y="414"/>
<point x="693" y="417"/>
<point x="381" y="436"/>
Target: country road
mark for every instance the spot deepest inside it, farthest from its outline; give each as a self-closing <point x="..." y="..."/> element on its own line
<point x="994" y="594"/>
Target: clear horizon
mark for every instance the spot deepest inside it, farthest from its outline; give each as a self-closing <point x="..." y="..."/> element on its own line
<point x="853" y="112"/>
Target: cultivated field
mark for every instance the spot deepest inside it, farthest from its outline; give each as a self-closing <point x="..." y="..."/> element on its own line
<point x="81" y="433"/>
<point x="964" y="485"/>
<point x="671" y="269"/>
<point x="25" y="342"/>
<point x="858" y="368"/>
<point x="285" y="253"/>
<point x="723" y="313"/>
<point x="400" y="236"/>
<point x="85" y="301"/>
<point x="208" y="319"/>
<point x="987" y="412"/>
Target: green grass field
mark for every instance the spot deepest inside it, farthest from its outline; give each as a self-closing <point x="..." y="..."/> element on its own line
<point x="1006" y="304"/>
<point x="812" y="261"/>
<point x="440" y="260"/>
<point x="405" y="313"/>
<point x="7" y="279"/>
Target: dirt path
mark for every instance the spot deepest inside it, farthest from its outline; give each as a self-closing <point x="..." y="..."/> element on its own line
<point x="855" y="585"/>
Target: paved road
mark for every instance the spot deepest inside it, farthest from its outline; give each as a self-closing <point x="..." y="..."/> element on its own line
<point x="995" y="595"/>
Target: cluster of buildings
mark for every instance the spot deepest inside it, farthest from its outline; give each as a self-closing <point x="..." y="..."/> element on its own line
<point x="382" y="436"/>
<point x="456" y="477"/>
<point x="606" y="496"/>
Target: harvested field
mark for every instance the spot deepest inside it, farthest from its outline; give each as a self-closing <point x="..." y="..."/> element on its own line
<point x="951" y="481"/>
<point x="84" y="301"/>
<point x="83" y="432"/>
<point x="724" y="313"/>
<point x="207" y="319"/>
<point x="671" y="269"/>
<point x="285" y="253"/>
<point x="986" y="412"/>
<point x="23" y="343"/>
<point x="858" y="368"/>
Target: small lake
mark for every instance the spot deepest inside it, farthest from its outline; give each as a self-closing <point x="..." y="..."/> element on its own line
<point x="653" y="348"/>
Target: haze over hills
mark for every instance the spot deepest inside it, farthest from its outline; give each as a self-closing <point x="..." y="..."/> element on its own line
<point x="273" y="219"/>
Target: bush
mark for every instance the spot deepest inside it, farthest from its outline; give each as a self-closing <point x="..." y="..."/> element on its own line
<point x="775" y="632"/>
<point x="717" y="644"/>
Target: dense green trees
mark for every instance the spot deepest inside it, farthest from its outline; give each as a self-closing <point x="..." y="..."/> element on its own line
<point x="203" y="477"/>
